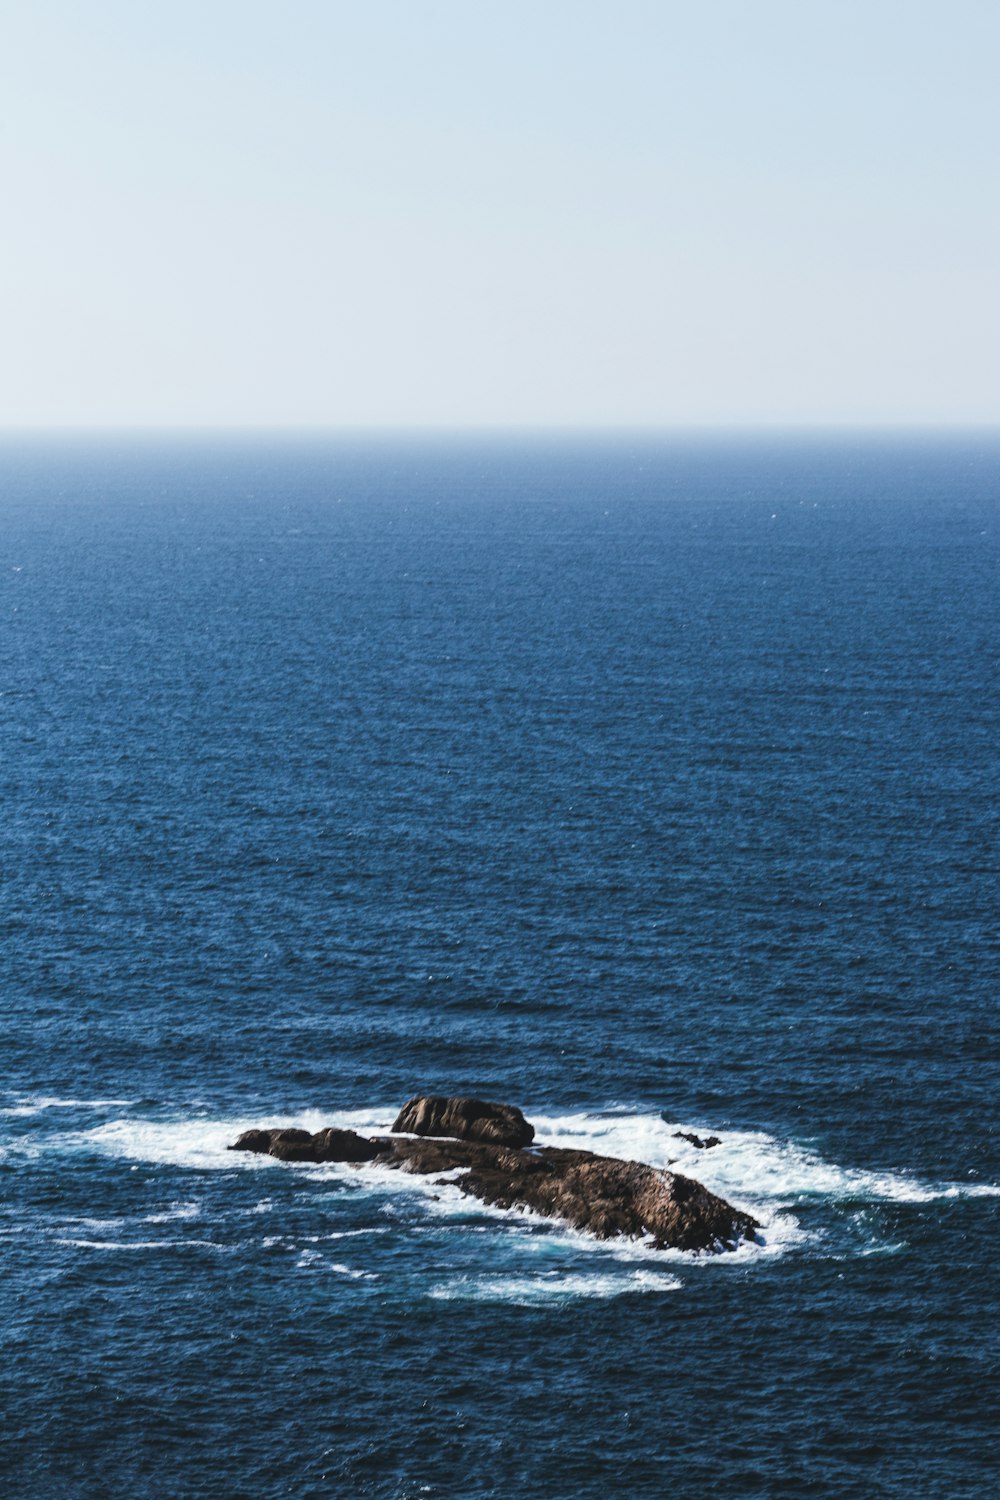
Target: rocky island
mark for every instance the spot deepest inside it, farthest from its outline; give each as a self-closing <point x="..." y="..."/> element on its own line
<point x="491" y="1147"/>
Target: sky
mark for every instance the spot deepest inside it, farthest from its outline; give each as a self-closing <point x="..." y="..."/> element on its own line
<point x="467" y="213"/>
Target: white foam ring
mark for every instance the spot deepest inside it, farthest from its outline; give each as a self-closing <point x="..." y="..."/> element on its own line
<point x="767" y="1176"/>
<point x="747" y="1167"/>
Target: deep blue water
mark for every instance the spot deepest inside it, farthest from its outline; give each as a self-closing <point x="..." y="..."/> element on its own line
<point x="646" y="784"/>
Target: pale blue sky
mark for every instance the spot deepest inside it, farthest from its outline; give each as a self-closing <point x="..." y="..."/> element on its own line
<point x="461" y="212"/>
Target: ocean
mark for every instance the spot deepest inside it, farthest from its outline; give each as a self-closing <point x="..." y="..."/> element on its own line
<point x="647" y="783"/>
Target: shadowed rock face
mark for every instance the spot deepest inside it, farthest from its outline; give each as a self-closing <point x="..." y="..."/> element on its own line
<point x="465" y="1120"/>
<point x="300" y="1145"/>
<point x="599" y="1194"/>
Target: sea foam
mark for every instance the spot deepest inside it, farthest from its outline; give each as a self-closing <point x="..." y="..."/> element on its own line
<point x="752" y="1169"/>
<point x="551" y="1286"/>
<point x="776" y="1180"/>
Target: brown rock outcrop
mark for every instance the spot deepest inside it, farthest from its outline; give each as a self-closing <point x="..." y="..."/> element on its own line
<point x="330" y="1144"/>
<point x="599" y="1194"/>
<point x="465" y="1120"/>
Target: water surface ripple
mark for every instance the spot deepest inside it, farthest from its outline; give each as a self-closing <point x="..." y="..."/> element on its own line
<point x="647" y="784"/>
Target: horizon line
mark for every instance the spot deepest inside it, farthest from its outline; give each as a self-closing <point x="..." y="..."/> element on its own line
<point x="497" y="429"/>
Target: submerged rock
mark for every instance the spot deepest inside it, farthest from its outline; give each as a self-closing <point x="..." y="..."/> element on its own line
<point x="465" y="1120"/>
<point x="696" y="1140"/>
<point x="599" y="1194"/>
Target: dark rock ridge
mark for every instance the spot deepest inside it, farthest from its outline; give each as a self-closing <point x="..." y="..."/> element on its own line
<point x="599" y="1194"/>
<point x="465" y="1120"/>
<point x="330" y="1144"/>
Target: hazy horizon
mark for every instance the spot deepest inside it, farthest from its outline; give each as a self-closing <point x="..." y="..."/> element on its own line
<point x="595" y="430"/>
